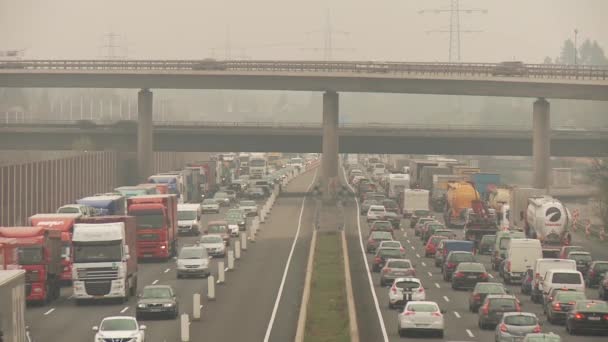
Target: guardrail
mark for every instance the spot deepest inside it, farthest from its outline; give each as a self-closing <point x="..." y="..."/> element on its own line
<point x="556" y="71"/>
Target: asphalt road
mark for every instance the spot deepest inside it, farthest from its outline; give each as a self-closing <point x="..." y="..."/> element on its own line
<point x="244" y="305"/>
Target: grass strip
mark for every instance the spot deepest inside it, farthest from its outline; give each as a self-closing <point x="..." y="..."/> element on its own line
<point x="327" y="317"/>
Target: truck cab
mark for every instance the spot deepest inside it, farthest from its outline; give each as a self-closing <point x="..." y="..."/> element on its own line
<point x="156" y="221"/>
<point x="110" y="204"/>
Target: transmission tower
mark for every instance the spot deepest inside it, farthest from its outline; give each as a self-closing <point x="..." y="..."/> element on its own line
<point x="454" y="27"/>
<point x="329" y="32"/>
<point x="111" y="47"/>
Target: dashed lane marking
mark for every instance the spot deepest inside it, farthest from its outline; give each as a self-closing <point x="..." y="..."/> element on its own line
<point x="470" y="333"/>
<point x="417" y="255"/>
<point x="49" y="312"/>
<point x="423" y="264"/>
<point x="456" y="314"/>
<point x="167" y="270"/>
<point x="413" y="248"/>
<point x="491" y="276"/>
<point x="124" y="309"/>
<point x="155" y="282"/>
<point x="437" y="285"/>
<point x="446" y="298"/>
<point x="408" y="241"/>
<point x="225" y="269"/>
<point x="430" y="274"/>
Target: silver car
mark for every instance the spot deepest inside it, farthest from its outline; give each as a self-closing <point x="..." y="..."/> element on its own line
<point x="210" y="205"/>
<point x="215" y="245"/>
<point x="250" y="207"/>
<point x="396" y="268"/>
<point x="514" y="326"/>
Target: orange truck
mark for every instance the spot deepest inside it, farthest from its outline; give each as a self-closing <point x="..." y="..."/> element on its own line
<point x="460" y="197"/>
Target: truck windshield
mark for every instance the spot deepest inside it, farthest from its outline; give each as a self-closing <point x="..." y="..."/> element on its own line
<point x="30" y="255"/>
<point x="186" y="215"/>
<point x="149" y="219"/>
<point x="98" y="252"/>
<point x="257" y="162"/>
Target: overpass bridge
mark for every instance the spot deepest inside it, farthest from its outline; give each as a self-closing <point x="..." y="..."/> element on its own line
<point x="474" y="79"/>
<point x="187" y="136"/>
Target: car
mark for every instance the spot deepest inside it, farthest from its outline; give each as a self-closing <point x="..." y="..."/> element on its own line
<point x="376" y="212"/>
<point x="561" y="279"/>
<point x="391" y="244"/>
<point x="250" y="207"/>
<point x="513" y="326"/>
<point x="483" y="289"/>
<point x="420" y="224"/>
<point x="390" y="205"/>
<point x="417" y="214"/>
<point x="468" y="274"/>
<point x="383" y="254"/>
<point x="209" y="64"/>
<point x="421" y="316"/>
<point x="541" y="266"/>
<point x="452" y="261"/>
<point x="486" y="245"/>
<point x="222" y="198"/>
<point x="215" y="245"/>
<point x="120" y="328"/>
<point x="405" y="289"/>
<point x="557" y="306"/>
<point x="210" y="205"/>
<point x="583" y="260"/>
<point x="602" y="289"/>
<point x="394" y="219"/>
<point x="563" y="254"/>
<point x="221" y="228"/>
<point x="376" y="196"/>
<point x="595" y="273"/>
<point x="527" y="281"/>
<point x="238" y="217"/>
<point x="157" y="300"/>
<point x="81" y="209"/>
<point x="374" y="239"/>
<point x="188" y="216"/>
<point x="542" y="337"/>
<point x="231" y="194"/>
<point x="492" y="309"/>
<point x="590" y="316"/>
<point x="431" y="246"/>
<point x="510" y="68"/>
<point x="434" y="228"/>
<point x="380" y="225"/>
<point x="366" y="204"/>
<point x="255" y="193"/>
<point x="396" y="268"/>
<point x="193" y="261"/>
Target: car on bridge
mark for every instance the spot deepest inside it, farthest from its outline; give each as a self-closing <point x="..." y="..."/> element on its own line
<point x="510" y="68"/>
<point x="210" y="64"/>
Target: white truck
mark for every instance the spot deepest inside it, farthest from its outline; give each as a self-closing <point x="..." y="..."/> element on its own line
<point x="414" y="199"/>
<point x="397" y="183"/>
<point x="12" y="302"/>
<point x="548" y="220"/>
<point x="518" y="204"/>
<point x="258" y="166"/>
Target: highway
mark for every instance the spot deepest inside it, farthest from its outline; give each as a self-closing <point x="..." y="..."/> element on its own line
<point x="460" y="324"/>
<point x="248" y="299"/>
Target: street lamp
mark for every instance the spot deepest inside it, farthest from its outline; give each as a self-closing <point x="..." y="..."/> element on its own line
<point x="575" y="49"/>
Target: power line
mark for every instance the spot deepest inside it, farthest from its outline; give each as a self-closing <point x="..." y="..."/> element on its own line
<point x="329" y="32"/>
<point x="454" y="28"/>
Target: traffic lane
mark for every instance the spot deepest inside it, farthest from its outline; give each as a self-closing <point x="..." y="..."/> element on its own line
<point x="247" y="299"/>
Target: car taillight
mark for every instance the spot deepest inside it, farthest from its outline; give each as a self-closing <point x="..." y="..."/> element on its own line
<point x="557" y="307"/>
<point x="477" y="296"/>
<point x="402" y="249"/>
<point x="458" y="275"/>
<point x="451" y="265"/>
<point x="517" y="307"/>
<point x="386" y="270"/>
<point x="537" y="329"/>
<point x="606" y="317"/>
<point x="413" y="273"/>
<point x="579" y="316"/>
<point x="508" y="266"/>
<point x="484" y="275"/>
<point x="394" y="289"/>
<point x="503" y="327"/>
<point x="591" y="274"/>
<point x="408" y="313"/>
<point x="378" y="259"/>
<point x="436" y="314"/>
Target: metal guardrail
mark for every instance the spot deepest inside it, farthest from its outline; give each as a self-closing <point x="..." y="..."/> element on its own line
<point x="550" y="71"/>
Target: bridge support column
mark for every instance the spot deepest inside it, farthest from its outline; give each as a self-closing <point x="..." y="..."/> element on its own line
<point x="145" y="148"/>
<point x="541" y="143"/>
<point x="329" y="161"/>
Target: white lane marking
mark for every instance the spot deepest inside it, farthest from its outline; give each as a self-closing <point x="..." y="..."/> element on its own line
<point x="430" y="274"/>
<point x="437" y="285"/>
<point x="446" y="298"/>
<point x="414" y="248"/>
<point x="423" y="264"/>
<point x="167" y="270"/>
<point x="201" y="306"/>
<point x="293" y="246"/>
<point x="491" y="276"/>
<point x="124" y="309"/>
<point x="155" y="282"/>
<point x="470" y="333"/>
<point x="225" y="269"/>
<point x="417" y="255"/>
<point x="408" y="241"/>
<point x="404" y="234"/>
<point x="456" y="314"/>
<point x="369" y="274"/>
<point x="49" y="312"/>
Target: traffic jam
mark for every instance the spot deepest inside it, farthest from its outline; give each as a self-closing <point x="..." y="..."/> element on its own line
<point x="454" y="254"/>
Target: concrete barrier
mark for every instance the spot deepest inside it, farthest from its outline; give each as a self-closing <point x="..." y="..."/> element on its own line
<point x="211" y="287"/>
<point x="221" y="277"/>
<point x="196" y="307"/>
<point x="237" y="250"/>
<point x="185" y="328"/>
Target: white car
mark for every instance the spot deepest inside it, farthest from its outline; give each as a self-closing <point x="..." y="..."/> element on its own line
<point x="391" y="244"/>
<point x="233" y="228"/>
<point x="215" y="244"/>
<point x="250" y="207"/>
<point x="119" y="328"/>
<point x="210" y="205"/>
<point x="405" y="290"/>
<point x="421" y="316"/>
<point x="375" y="212"/>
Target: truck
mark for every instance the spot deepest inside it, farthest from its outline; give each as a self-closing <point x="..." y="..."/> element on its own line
<point x="548" y="220"/>
<point x="156" y="223"/>
<point x="209" y="176"/>
<point x="258" y="166"/>
<point x="185" y="183"/>
<point x="137" y="190"/>
<point x="464" y="170"/>
<point x="416" y="166"/>
<point x="173" y="183"/>
<point x="485" y="183"/>
<point x="518" y="205"/>
<point x="244" y="163"/>
<point x="195" y="185"/>
<point x="479" y="221"/>
<point x="39" y="254"/>
<point x="397" y="183"/>
<point x="440" y="189"/>
<point x="105" y="204"/>
<point x="64" y="223"/>
<point x="499" y="201"/>
<point x="427" y="174"/>
<point x="414" y="199"/>
<point x="458" y="199"/>
<point x="104" y="257"/>
<point x="12" y="302"/>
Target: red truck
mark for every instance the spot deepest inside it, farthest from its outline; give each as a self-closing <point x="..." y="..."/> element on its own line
<point x="208" y="171"/>
<point x="156" y="217"/>
<point x="65" y="224"/>
<point x="39" y="254"/>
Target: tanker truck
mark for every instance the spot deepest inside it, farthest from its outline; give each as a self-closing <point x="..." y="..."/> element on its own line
<point x="548" y="220"/>
<point x="499" y="201"/>
<point x="459" y="198"/>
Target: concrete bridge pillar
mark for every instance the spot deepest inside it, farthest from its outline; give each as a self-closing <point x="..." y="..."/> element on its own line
<point x="329" y="158"/>
<point x="145" y="148"/>
<point x="541" y="144"/>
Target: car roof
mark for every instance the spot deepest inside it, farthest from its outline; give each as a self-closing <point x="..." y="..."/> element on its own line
<point x="421" y="302"/>
<point x="218" y="222"/>
<point x="375" y="206"/>
<point x="459" y="252"/>
<point x="120" y="317"/>
<point x="380" y="221"/>
<point x="393" y="241"/>
<point x="579" y="252"/>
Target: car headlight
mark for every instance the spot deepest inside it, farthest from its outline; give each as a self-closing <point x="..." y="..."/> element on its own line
<point x="168" y="305"/>
<point x="141" y="306"/>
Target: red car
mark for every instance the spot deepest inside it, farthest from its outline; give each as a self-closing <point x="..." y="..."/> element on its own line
<point x="431" y="246"/>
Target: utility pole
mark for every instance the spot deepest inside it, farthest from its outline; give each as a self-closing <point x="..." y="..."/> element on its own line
<point x="111" y="47"/>
<point x="329" y="32"/>
<point x="454" y="28"/>
<point x="575" y="47"/>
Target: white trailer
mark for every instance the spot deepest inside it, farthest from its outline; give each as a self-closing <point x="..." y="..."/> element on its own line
<point x="12" y="302"/>
<point x="415" y="199"/>
<point x="397" y="183"/>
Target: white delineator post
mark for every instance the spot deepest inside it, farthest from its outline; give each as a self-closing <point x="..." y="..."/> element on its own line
<point x="196" y="307"/>
<point x="221" y="277"/>
<point x="230" y="260"/>
<point x="211" y="287"/>
<point x="244" y="242"/>
<point x="185" y="328"/>
<point x="237" y="250"/>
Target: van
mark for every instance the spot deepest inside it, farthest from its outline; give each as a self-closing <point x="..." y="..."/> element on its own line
<point x="541" y="266"/>
<point x="563" y="279"/>
<point x="188" y="219"/>
<point x="521" y="255"/>
<point x="454" y="246"/>
<point x="500" y="246"/>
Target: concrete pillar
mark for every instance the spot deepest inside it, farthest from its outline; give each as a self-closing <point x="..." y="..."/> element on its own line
<point x="329" y="159"/>
<point x="541" y="144"/>
<point x="145" y="154"/>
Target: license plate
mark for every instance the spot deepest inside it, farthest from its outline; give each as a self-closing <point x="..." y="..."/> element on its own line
<point x="147" y="255"/>
<point x="594" y="318"/>
<point x="155" y="310"/>
<point x="472" y="277"/>
<point x="399" y="273"/>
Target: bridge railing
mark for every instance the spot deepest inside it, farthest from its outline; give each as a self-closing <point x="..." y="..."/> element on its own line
<point x="555" y="71"/>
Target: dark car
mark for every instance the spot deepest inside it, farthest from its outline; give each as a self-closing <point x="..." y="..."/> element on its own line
<point x="526" y="281"/>
<point x="510" y="68"/>
<point x="602" y="289"/>
<point x="394" y="219"/>
<point x="416" y="215"/>
<point x="255" y="193"/>
<point x="374" y="239"/>
<point x="452" y="261"/>
<point x="366" y="204"/>
<point x="595" y="273"/>
<point x="391" y="205"/>
<point x="560" y="304"/>
<point x="481" y="290"/>
<point x="486" y="245"/>
<point x="583" y="260"/>
<point x="383" y="254"/>
<point x="420" y="224"/>
<point x="430" y="229"/>
<point x="157" y="300"/>
<point x="588" y="316"/>
<point x="383" y="226"/>
<point x="468" y="274"/>
<point x="493" y="307"/>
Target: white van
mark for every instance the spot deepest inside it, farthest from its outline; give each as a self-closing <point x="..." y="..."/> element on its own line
<point x="540" y="269"/>
<point x="521" y="255"/>
<point x="188" y="219"/>
<point x="563" y="279"/>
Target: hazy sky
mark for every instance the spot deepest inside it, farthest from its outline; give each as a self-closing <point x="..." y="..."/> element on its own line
<point x="525" y="30"/>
